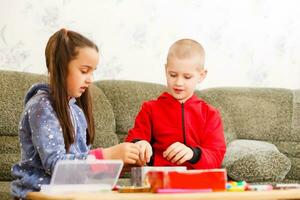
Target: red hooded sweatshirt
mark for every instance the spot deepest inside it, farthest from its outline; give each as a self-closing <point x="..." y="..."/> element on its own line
<point x="194" y="123"/>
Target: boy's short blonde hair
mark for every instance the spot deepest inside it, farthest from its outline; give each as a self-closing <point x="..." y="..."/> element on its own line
<point x="187" y="48"/>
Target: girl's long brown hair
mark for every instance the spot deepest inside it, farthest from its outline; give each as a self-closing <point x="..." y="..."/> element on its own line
<point x="62" y="47"/>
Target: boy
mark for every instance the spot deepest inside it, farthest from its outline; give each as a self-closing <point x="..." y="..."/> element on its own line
<point x="179" y="128"/>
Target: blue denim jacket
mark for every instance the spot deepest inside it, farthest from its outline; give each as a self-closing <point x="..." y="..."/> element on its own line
<point x="42" y="142"/>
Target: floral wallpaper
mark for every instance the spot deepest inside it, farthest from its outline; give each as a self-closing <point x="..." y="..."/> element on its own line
<point x="248" y="43"/>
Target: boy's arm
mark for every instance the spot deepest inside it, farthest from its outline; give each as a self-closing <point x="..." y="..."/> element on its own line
<point x="142" y="126"/>
<point x="213" y="147"/>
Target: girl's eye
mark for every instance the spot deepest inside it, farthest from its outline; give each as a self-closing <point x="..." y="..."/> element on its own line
<point x="84" y="71"/>
<point x="173" y="75"/>
<point x="187" y="77"/>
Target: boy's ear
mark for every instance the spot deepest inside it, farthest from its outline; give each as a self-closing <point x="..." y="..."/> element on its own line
<point x="203" y="74"/>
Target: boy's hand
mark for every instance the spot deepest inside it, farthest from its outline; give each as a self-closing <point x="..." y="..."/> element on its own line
<point x="178" y="153"/>
<point x="145" y="151"/>
<point x="128" y="152"/>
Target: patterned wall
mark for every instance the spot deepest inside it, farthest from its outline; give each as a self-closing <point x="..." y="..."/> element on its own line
<point x="248" y="43"/>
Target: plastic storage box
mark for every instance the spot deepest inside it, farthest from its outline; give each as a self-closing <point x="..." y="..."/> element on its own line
<point x="84" y="176"/>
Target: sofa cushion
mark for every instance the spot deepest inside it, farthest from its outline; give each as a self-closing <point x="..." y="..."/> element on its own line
<point x="296" y="114"/>
<point x="14" y="85"/>
<point x="292" y="151"/>
<point x="294" y="173"/>
<point x="10" y="154"/>
<point x="105" y="124"/>
<point x="9" y="144"/>
<point x="126" y="98"/>
<point x="229" y="137"/>
<point x="255" y="161"/>
<point x="6" y="162"/>
<point x="5" y="190"/>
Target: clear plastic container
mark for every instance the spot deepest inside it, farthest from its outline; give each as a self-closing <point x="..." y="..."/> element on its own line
<point x="84" y="176"/>
<point x="138" y="174"/>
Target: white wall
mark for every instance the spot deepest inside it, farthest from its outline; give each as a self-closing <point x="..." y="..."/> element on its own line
<point x="247" y="42"/>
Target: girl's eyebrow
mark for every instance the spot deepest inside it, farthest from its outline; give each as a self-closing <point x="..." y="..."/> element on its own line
<point x="90" y="67"/>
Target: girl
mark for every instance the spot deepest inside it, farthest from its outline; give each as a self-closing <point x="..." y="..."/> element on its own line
<point x="57" y="122"/>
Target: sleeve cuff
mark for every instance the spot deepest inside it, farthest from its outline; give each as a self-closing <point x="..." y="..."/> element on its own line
<point x="135" y="140"/>
<point x="197" y="155"/>
<point x="97" y="153"/>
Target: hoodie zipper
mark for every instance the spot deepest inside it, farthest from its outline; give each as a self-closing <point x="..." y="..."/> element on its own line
<point x="182" y="120"/>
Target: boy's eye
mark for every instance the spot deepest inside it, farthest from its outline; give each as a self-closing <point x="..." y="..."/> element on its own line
<point x="84" y="71"/>
<point x="173" y="75"/>
<point x="187" y="77"/>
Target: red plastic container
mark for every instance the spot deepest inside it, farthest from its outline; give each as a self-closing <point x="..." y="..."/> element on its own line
<point x="214" y="179"/>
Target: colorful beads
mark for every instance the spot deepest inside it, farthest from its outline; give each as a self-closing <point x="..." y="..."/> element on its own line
<point x="233" y="186"/>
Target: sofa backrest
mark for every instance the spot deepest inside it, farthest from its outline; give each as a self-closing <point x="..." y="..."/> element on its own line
<point x="249" y="113"/>
<point x="126" y="98"/>
<point x="254" y="113"/>
<point x="13" y="88"/>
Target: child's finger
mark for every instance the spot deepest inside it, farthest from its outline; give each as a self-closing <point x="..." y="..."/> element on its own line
<point x="187" y="156"/>
<point x="133" y="156"/>
<point x="182" y="159"/>
<point x="142" y="153"/>
<point x="144" y="161"/>
<point x="134" y="146"/>
<point x="139" y="162"/>
<point x="148" y="154"/>
<point x="167" y="151"/>
<point x="130" y="161"/>
<point x="176" y="149"/>
<point x="178" y="156"/>
<point x="170" y="150"/>
<point x="172" y="154"/>
<point x="134" y="150"/>
<point x="180" y="153"/>
<point x="130" y="158"/>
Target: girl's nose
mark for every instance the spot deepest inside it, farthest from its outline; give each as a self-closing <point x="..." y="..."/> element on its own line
<point x="90" y="78"/>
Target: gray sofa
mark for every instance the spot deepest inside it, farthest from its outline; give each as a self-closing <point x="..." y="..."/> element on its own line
<point x="262" y="125"/>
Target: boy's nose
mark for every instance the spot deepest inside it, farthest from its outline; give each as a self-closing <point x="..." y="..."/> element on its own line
<point x="178" y="81"/>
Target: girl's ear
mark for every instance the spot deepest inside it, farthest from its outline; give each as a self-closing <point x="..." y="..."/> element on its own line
<point x="203" y="73"/>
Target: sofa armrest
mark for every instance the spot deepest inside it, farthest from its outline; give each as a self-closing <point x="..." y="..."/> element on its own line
<point x="255" y="161"/>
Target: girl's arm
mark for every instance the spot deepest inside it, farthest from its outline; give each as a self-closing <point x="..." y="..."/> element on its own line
<point x="47" y="136"/>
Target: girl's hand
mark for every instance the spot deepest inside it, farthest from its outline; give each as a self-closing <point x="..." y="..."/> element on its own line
<point x="178" y="153"/>
<point x="145" y="151"/>
<point x="128" y="152"/>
